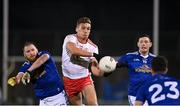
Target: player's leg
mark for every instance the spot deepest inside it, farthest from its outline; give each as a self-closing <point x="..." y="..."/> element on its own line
<point x="76" y="99"/>
<point x="90" y="94"/>
<point x="72" y="90"/>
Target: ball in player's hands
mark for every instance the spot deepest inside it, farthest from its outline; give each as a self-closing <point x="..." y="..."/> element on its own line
<point x="107" y="64"/>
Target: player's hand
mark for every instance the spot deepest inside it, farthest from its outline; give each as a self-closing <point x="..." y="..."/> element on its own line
<point x="12" y="81"/>
<point x="94" y="62"/>
<point x="26" y="78"/>
<point x="97" y="56"/>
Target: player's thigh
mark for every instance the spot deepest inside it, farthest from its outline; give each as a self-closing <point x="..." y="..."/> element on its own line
<point x="90" y="94"/>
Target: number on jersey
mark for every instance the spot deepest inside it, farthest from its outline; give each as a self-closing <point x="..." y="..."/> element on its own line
<point x="172" y="87"/>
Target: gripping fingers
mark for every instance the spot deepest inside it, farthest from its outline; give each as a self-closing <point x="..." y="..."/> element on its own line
<point x="23" y="81"/>
<point x="26" y="78"/>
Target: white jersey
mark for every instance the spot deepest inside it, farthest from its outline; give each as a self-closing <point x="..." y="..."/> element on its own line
<point x="75" y="67"/>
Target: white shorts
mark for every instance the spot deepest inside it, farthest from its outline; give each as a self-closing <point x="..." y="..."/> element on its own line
<point x="56" y="100"/>
<point x="132" y="100"/>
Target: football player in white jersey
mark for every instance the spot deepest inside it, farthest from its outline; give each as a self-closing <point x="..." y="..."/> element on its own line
<point x="77" y="57"/>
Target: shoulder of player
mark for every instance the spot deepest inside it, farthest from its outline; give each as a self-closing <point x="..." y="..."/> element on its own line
<point x="43" y="52"/>
<point x="40" y="53"/>
<point x="129" y="55"/>
<point x="91" y="43"/>
<point x="25" y="66"/>
<point x="152" y="55"/>
<point x="132" y="53"/>
<point x="26" y="63"/>
<point x="137" y="53"/>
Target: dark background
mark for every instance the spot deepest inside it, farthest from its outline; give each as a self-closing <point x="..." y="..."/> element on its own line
<point x="115" y="27"/>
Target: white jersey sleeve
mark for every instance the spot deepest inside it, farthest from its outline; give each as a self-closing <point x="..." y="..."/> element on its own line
<point x="75" y="67"/>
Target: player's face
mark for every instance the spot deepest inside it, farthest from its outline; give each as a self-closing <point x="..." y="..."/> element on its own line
<point x="144" y="45"/>
<point x="30" y="52"/>
<point x="83" y="30"/>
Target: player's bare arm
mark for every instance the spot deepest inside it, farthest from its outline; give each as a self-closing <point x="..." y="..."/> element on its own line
<point x="77" y="51"/>
<point x="41" y="60"/>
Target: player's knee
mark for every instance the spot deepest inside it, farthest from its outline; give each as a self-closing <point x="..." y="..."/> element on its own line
<point x="92" y="102"/>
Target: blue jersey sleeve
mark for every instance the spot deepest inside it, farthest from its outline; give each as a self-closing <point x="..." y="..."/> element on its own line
<point x="43" y="52"/>
<point x="24" y="67"/>
<point x="27" y="64"/>
<point x="122" y="61"/>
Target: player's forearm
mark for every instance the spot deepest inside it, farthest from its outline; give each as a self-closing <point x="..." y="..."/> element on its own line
<point x="41" y="60"/>
<point x="78" y="51"/>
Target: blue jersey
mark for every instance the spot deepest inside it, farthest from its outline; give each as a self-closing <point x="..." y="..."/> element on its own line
<point x="139" y="69"/>
<point x="45" y="79"/>
<point x="160" y="90"/>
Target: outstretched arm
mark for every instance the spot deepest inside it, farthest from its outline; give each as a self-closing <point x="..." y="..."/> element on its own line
<point x="118" y="65"/>
<point x="40" y="61"/>
<point x="122" y="64"/>
<point x="77" y="51"/>
<point x="80" y="52"/>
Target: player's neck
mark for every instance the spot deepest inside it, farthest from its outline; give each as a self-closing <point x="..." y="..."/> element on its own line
<point x="82" y="40"/>
<point x="144" y="54"/>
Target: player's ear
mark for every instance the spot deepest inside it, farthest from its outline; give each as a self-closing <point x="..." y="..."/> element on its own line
<point x="150" y="45"/>
<point x="77" y="28"/>
<point x="138" y="44"/>
<point x="25" y="56"/>
<point x="37" y="50"/>
<point x="166" y="70"/>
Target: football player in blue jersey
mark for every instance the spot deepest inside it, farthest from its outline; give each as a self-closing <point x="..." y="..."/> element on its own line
<point x="41" y="71"/>
<point x="160" y="89"/>
<point x="138" y="64"/>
